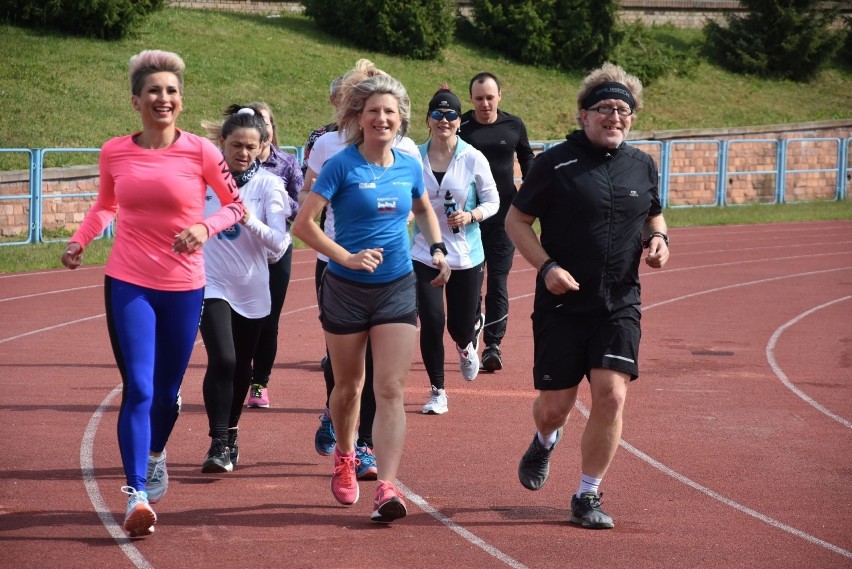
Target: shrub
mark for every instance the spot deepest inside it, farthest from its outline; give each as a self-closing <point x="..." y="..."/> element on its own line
<point x="416" y="28"/>
<point x="568" y="34"/>
<point x="643" y="54"/>
<point x="106" y="19"/>
<point x="788" y="39"/>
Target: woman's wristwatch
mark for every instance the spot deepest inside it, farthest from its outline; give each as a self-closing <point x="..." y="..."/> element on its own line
<point x="438" y="246"/>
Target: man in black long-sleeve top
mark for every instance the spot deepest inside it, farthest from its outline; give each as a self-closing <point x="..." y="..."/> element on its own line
<point x="499" y="136"/>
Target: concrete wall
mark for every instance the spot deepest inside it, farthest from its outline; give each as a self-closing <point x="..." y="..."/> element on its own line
<point x="681" y="13"/>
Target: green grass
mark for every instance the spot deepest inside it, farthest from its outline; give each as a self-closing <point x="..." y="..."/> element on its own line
<point x="20" y="258"/>
<point x="69" y="92"/>
<point x="65" y="92"/>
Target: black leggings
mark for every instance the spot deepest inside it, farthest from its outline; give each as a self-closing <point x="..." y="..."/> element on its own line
<point x="230" y="341"/>
<point x="499" y="253"/>
<point x="368" y="396"/>
<point x="462" y="292"/>
<point x="267" y="344"/>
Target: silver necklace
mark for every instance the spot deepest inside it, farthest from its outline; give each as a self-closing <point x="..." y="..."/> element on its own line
<point x="373" y="168"/>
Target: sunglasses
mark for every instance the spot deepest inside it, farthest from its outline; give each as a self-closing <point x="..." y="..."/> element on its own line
<point x="449" y="115"/>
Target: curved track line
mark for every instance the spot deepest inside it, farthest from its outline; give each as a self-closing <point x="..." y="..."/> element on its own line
<point x="747" y="283"/>
<point x="716" y="496"/>
<point x="134" y="555"/>
<point x="94" y="492"/>
<point x="770" y="357"/>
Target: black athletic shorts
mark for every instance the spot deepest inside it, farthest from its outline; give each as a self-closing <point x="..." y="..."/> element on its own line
<point x="347" y="307"/>
<point x="568" y="347"/>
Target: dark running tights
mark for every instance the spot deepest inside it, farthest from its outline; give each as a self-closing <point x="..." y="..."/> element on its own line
<point x="267" y="344"/>
<point x="230" y="340"/>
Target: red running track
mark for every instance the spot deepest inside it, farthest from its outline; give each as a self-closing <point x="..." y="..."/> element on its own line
<point x="736" y="449"/>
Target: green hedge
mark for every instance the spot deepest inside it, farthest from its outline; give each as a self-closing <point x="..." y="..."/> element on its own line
<point x="414" y="28"/>
<point x="106" y="19"/>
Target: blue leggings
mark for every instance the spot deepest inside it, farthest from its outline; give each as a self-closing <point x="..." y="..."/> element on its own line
<point x="152" y="333"/>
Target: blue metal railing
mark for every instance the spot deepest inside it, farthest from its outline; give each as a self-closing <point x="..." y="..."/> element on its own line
<point x="675" y="174"/>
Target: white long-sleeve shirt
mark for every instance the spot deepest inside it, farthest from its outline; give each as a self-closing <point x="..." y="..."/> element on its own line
<point x="468" y="178"/>
<point x="235" y="260"/>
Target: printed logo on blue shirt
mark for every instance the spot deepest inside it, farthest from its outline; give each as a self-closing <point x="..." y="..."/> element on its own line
<point x="386" y="204"/>
<point x="366" y="185"/>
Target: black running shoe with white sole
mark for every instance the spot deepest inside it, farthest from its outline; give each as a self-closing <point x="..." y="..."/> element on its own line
<point x="534" y="467"/>
<point x="218" y="458"/>
<point x="586" y="511"/>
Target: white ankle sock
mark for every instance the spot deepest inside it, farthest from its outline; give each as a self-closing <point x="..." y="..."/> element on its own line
<point x="547" y="441"/>
<point x="588" y="484"/>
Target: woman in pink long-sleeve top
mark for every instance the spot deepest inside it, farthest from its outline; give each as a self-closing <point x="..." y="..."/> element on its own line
<point x="155" y="180"/>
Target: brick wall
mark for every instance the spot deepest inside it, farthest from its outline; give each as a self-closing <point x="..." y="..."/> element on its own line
<point x="752" y="162"/>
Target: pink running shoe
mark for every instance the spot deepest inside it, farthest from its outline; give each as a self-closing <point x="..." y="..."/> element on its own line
<point x="344" y="483"/>
<point x="258" y="397"/>
<point x="389" y="504"/>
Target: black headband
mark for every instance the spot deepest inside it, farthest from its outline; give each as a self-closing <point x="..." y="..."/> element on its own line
<point x="445" y="101"/>
<point x="609" y="90"/>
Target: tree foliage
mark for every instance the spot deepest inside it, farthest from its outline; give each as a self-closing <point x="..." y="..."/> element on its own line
<point x="105" y="19"/>
<point x="568" y="34"/>
<point x="415" y="28"/>
<point x="789" y="39"/>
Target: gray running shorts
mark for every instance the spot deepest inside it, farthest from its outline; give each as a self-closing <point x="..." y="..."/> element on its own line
<point x="347" y="307"/>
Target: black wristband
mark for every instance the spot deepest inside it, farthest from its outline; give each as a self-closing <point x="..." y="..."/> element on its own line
<point x="438" y="246"/>
<point x="665" y="237"/>
<point x="543" y="268"/>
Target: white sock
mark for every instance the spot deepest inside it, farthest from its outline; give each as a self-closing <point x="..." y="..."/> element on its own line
<point x="588" y="484"/>
<point x="547" y="441"/>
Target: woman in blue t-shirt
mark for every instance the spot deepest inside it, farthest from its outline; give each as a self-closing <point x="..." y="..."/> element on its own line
<point x="368" y="289"/>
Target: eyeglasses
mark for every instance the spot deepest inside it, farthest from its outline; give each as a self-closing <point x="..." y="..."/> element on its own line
<point x="449" y="115"/>
<point x="607" y="110"/>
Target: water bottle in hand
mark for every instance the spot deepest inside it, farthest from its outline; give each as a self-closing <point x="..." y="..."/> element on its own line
<point x="450" y="207"/>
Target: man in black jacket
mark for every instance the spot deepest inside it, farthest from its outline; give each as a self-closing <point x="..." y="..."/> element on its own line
<point x="499" y="136"/>
<point x="598" y="203"/>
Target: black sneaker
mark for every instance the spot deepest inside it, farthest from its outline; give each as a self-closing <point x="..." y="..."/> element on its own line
<point x="535" y="464"/>
<point x="586" y="511"/>
<point x="218" y="458"/>
<point x="491" y="358"/>
<point x="233" y="447"/>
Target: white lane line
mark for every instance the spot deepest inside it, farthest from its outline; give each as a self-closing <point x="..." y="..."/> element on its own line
<point x="465" y="534"/>
<point x="87" y="466"/>
<point x="471" y="537"/>
<point x="744" y="284"/>
<point x="773" y="363"/>
<point x="49" y="328"/>
<point x="716" y="496"/>
<point x="50" y="292"/>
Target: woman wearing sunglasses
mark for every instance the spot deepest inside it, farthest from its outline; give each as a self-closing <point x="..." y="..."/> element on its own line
<point x="462" y="192"/>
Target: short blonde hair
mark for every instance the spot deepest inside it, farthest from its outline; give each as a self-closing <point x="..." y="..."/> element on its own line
<point x="152" y="61"/>
<point x="609" y="72"/>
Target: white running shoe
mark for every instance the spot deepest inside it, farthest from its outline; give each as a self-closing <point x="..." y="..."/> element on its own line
<point x="157" y="478"/>
<point x="140" y="518"/>
<point x="468" y="362"/>
<point x="437" y="404"/>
